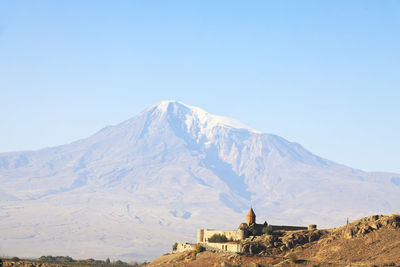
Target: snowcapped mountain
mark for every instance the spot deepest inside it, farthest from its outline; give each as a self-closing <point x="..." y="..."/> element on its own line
<point x="131" y="190"/>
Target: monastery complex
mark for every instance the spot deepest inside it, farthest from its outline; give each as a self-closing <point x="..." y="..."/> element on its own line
<point x="245" y="230"/>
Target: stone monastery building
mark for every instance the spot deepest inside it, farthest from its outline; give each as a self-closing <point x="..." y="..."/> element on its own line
<point x="245" y="230"/>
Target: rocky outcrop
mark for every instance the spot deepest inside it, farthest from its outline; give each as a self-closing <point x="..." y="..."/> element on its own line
<point x="367" y="225"/>
<point x="280" y="241"/>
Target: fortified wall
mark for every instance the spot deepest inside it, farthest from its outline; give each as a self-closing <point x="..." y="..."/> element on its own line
<point x="181" y="247"/>
<point x="287" y="228"/>
<point x="204" y="234"/>
<point x="224" y="247"/>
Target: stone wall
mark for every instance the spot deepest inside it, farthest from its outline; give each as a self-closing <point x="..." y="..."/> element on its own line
<point x="223" y="247"/>
<point x="204" y="234"/>
<point x="181" y="247"/>
<point x="287" y="228"/>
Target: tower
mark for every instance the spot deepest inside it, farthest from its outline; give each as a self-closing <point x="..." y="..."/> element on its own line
<point x="250" y="217"/>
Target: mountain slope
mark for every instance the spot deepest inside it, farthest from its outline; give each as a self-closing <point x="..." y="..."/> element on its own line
<point x="131" y="190"/>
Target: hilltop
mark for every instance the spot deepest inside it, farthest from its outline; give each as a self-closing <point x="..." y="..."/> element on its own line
<point x="371" y="241"/>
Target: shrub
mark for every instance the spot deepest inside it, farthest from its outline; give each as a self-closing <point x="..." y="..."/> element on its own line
<point x="218" y="238"/>
<point x="15" y="259"/>
<point x="253" y="230"/>
<point x="198" y="248"/>
<point x="174" y="246"/>
<point x="66" y="259"/>
<point x="267" y="230"/>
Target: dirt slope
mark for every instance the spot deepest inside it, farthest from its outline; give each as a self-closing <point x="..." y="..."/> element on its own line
<point x="374" y="240"/>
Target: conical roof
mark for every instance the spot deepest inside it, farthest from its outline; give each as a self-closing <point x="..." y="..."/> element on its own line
<point x="251" y="213"/>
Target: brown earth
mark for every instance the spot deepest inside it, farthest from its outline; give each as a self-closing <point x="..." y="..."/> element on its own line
<point x="208" y="258"/>
<point x="371" y="241"/>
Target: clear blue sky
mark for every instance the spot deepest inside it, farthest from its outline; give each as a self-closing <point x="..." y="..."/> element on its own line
<point x="325" y="74"/>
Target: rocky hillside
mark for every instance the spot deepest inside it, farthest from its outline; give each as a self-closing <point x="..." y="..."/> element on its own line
<point x="371" y="241"/>
<point x="374" y="240"/>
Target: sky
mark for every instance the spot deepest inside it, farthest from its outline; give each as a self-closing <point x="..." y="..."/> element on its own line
<point x="325" y="74"/>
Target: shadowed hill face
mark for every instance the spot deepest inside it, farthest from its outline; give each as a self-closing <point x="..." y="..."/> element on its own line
<point x="134" y="188"/>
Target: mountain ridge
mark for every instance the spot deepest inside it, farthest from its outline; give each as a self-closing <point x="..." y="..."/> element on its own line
<point x="169" y="170"/>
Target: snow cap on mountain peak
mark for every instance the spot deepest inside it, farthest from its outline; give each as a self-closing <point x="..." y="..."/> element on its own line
<point x="163" y="105"/>
<point x="195" y="114"/>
